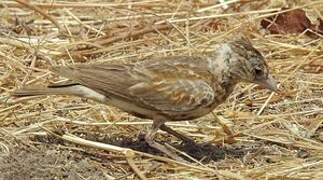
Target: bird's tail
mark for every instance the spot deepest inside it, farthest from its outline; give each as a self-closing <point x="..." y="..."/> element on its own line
<point x="69" y="90"/>
<point x="73" y="90"/>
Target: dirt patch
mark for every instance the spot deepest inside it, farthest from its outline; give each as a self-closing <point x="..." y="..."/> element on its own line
<point x="52" y="158"/>
<point x="48" y="163"/>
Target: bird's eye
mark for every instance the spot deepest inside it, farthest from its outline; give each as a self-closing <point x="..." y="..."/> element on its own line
<point x="259" y="72"/>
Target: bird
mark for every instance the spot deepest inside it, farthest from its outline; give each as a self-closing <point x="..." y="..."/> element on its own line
<point x="163" y="89"/>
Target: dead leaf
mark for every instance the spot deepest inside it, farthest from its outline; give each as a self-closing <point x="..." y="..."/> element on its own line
<point x="294" y="21"/>
<point x="290" y="22"/>
<point x="320" y="28"/>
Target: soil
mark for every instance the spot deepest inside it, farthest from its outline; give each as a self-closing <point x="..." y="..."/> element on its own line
<point x="52" y="158"/>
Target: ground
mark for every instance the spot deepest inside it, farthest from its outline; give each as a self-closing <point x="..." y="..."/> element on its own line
<point x="255" y="134"/>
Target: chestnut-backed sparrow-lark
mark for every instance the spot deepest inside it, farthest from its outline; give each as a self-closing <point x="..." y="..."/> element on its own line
<point x="174" y="88"/>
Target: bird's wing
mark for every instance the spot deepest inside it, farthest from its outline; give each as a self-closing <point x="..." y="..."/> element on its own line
<point x="106" y="79"/>
<point x="177" y="84"/>
<point x="178" y="95"/>
<point x="63" y="84"/>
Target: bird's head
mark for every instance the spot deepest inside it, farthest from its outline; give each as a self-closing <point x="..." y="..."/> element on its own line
<point x="246" y="63"/>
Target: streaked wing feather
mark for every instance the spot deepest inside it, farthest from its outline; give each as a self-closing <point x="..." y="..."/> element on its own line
<point x="170" y="85"/>
<point x="63" y="84"/>
<point x="177" y="95"/>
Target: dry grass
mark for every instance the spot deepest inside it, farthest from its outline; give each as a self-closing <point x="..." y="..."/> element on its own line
<point x="276" y="136"/>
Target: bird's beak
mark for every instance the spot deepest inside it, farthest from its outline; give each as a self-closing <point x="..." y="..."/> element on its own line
<point x="268" y="83"/>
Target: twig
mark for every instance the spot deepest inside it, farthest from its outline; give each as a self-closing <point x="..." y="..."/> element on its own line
<point x="140" y="123"/>
<point x="85" y="5"/>
<point x="108" y="147"/>
<point x="40" y="11"/>
<point x="265" y="104"/>
<point x="131" y="34"/>
<point x="84" y="25"/>
<point x="222" y="4"/>
<point x="133" y="166"/>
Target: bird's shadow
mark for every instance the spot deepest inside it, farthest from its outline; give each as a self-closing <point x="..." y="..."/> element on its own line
<point x="203" y="152"/>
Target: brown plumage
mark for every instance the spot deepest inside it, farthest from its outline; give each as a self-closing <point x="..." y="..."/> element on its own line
<point x="165" y="89"/>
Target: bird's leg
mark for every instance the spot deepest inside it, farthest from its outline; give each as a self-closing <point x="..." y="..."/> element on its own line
<point x="149" y="138"/>
<point x="171" y="131"/>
